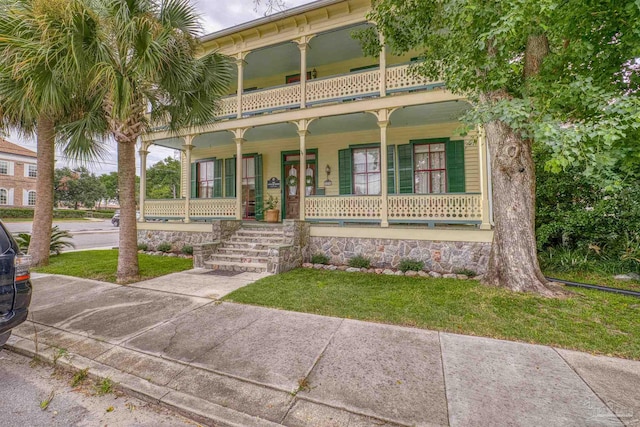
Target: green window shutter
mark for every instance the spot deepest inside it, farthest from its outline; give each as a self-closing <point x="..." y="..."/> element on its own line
<point x="217" y="178"/>
<point x="259" y="193"/>
<point x="455" y="167"/>
<point x="405" y="168"/>
<point x="391" y="169"/>
<point x="344" y="171"/>
<point x="230" y="177"/>
<point x="194" y="181"/>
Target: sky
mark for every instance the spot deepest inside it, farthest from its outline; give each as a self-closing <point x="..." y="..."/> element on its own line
<point x="216" y="15"/>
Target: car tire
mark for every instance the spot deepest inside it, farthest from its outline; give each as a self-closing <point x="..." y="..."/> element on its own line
<point x="4" y="337"/>
<point x="116" y="223"/>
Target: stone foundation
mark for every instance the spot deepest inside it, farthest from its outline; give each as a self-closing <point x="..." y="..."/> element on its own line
<point x="438" y="256"/>
<point x="291" y="255"/>
<point x="178" y="239"/>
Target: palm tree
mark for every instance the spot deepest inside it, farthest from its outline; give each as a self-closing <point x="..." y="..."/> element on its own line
<point x="34" y="51"/>
<point x="145" y="55"/>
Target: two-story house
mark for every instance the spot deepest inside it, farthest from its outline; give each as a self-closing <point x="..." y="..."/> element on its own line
<point x="360" y="151"/>
<point x="18" y="172"/>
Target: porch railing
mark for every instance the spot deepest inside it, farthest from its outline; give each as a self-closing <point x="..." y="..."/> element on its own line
<point x="432" y="207"/>
<point x="343" y="207"/>
<point x="169" y="208"/>
<point x="330" y="89"/>
<point x="212" y="208"/>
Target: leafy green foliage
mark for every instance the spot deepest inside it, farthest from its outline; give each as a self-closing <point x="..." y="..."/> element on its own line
<point x="359" y="261"/>
<point x="164" y="247"/>
<point x="163" y="179"/>
<point x="77" y="187"/>
<point x="187" y="250"/>
<point x="58" y="240"/>
<point x="407" y="264"/>
<point x="582" y="102"/>
<point x="319" y="258"/>
<point x="143" y="246"/>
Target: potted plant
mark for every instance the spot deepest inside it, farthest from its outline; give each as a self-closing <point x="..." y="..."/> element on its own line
<point x="271" y="209"/>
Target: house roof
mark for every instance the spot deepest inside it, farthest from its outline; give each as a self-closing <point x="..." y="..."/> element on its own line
<point x="271" y="18"/>
<point x="11" y="148"/>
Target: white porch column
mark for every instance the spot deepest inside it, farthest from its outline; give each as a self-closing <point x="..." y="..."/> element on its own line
<point x="240" y="64"/>
<point x="383" y="68"/>
<point x="303" y="130"/>
<point x="187" y="194"/>
<point x="303" y="44"/>
<point x="384" y="187"/>
<point x="143" y="176"/>
<point x="484" y="179"/>
<point x="239" y="140"/>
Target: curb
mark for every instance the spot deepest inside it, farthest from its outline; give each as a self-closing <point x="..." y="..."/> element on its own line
<point x="192" y="407"/>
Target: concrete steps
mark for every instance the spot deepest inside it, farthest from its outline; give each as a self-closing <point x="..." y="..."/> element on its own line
<point x="247" y="249"/>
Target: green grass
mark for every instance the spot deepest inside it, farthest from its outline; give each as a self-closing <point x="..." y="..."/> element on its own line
<point x="102" y="265"/>
<point x="589" y="321"/>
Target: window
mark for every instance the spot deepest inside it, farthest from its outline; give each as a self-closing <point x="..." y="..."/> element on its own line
<point x="31" y="198"/>
<point x="32" y="171"/>
<point x="430" y="172"/>
<point x="4" y="167"/>
<point x="204" y="171"/>
<point x="366" y="171"/>
<point x="4" y="197"/>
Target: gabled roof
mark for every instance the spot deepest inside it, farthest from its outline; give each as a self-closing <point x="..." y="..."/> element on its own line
<point x="11" y="148"/>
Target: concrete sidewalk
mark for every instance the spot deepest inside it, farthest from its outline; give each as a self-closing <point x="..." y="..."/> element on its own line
<point x="168" y="341"/>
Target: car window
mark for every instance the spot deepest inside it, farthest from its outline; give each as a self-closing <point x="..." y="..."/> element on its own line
<point x="5" y="240"/>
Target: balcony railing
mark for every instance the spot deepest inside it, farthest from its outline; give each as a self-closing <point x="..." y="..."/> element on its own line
<point x="351" y="86"/>
<point x="169" y="208"/>
<point x="343" y="208"/>
<point x="198" y="208"/>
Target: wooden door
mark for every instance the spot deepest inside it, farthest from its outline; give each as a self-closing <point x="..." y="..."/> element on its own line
<point x="292" y="196"/>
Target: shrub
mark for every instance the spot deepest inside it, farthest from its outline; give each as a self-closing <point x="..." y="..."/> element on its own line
<point x="407" y="264"/>
<point x="359" y="261"/>
<point x="187" y="249"/>
<point x="466" y="272"/>
<point x="319" y="258"/>
<point x="164" y="247"/>
<point x="56" y="244"/>
<point x="143" y="246"/>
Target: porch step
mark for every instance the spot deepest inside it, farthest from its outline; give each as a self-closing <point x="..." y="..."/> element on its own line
<point x="234" y="266"/>
<point x="256" y="239"/>
<point x="259" y="232"/>
<point x="243" y="250"/>
<point x="239" y="258"/>
<point x="258" y="246"/>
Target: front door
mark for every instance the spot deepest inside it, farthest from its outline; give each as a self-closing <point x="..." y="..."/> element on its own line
<point x="291" y="181"/>
<point x="249" y="188"/>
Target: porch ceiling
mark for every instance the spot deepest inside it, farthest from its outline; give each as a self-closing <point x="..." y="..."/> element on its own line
<point x="325" y="48"/>
<point x="429" y="114"/>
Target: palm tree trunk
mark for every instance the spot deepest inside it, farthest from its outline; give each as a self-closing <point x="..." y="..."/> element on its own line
<point x="128" y="240"/>
<point x="43" y="214"/>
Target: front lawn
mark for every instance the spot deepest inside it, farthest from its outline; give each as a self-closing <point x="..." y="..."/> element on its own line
<point x="591" y="321"/>
<point x="102" y="265"/>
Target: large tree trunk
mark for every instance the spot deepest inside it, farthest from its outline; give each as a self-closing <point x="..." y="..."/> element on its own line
<point x="513" y="262"/>
<point x="128" y="240"/>
<point x="43" y="214"/>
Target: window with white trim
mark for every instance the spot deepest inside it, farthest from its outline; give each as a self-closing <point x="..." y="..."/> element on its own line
<point x="4" y="167"/>
<point x="366" y="171"/>
<point x="32" y="171"/>
<point x="430" y="170"/>
<point x="4" y="197"/>
<point x="31" y="198"/>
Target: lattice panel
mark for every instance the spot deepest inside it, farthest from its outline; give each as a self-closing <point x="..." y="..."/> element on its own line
<point x="346" y="86"/>
<point x="282" y="96"/>
<point x="435" y="207"/>
<point x="212" y="208"/>
<point x="400" y="77"/>
<point x="228" y="106"/>
<point x="165" y="208"/>
<point x="343" y="207"/>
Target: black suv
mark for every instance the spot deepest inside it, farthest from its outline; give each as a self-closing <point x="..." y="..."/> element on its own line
<point x="15" y="285"/>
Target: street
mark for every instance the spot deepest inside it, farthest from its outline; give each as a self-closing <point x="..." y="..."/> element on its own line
<point x="93" y="234"/>
<point x="39" y="395"/>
